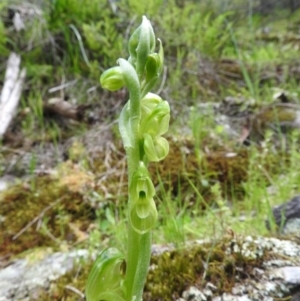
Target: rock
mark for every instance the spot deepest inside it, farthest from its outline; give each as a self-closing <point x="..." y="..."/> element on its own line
<point x="275" y="279"/>
<point x="193" y="294"/>
<point x="287" y="217"/>
<point x="24" y="280"/>
<point x="290" y="275"/>
<point x="280" y="118"/>
<point x="6" y="181"/>
<point x="245" y="121"/>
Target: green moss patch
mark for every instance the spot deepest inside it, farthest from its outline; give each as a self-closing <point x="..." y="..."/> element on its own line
<point x="46" y="211"/>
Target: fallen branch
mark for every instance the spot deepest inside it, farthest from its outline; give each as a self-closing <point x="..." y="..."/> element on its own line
<point x="65" y="108"/>
<point x="11" y="91"/>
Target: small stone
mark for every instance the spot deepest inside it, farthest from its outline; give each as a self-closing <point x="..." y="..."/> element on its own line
<point x="292" y="226"/>
<point x="258" y="272"/>
<point x="287" y="216"/>
<point x="249" y="239"/>
<point x="218" y="298"/>
<point x="229" y="297"/>
<point x="193" y="294"/>
<point x="291" y="275"/>
<point x="238" y="290"/>
<point x="207" y="292"/>
<point x="270" y="286"/>
<point x="211" y="286"/>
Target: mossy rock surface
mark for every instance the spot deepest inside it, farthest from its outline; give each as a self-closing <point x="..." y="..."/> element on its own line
<point x="252" y="268"/>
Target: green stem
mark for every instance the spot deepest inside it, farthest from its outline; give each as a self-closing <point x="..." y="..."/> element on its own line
<point x="138" y="259"/>
<point x="142" y="266"/>
<point x="133" y="244"/>
<point x="131" y="129"/>
<point x="132" y="260"/>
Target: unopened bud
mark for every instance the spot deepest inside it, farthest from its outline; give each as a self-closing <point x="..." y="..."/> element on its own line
<point x="112" y="79"/>
<point x="157" y="123"/>
<point x="156" y="149"/>
<point x="149" y="103"/>
<point x="141" y="44"/>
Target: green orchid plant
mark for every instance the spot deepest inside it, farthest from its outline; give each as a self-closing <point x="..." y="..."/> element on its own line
<point x="143" y="121"/>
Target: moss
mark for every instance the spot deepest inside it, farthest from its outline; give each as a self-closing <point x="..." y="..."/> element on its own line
<point x="174" y="271"/>
<point x="59" y="290"/>
<point x="55" y="209"/>
<point x="229" y="166"/>
<point x="46" y="211"/>
<point x="197" y="265"/>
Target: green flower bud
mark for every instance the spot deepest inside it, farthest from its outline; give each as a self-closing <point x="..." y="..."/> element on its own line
<point x="149" y="103"/>
<point x="141" y="185"/>
<point x="156" y="149"/>
<point x="141" y="44"/>
<point x="112" y="79"/>
<point x="157" y="123"/>
<point x="106" y="276"/>
<point x="143" y="49"/>
<point x="152" y="67"/>
<point x="154" y="64"/>
<point x="143" y="214"/>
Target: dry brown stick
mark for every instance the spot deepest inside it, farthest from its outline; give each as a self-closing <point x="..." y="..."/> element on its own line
<point x="37" y="217"/>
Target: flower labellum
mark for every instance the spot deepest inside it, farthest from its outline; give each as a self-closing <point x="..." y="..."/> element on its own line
<point x="143" y="215"/>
